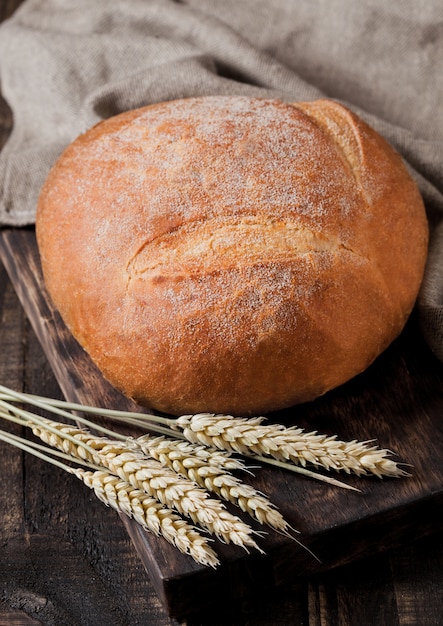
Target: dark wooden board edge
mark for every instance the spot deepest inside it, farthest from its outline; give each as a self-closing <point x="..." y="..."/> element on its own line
<point x="183" y="588"/>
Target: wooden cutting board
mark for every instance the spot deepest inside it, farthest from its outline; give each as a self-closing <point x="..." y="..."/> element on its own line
<point x="398" y="401"/>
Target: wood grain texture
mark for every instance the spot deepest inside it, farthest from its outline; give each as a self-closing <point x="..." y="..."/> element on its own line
<point x="398" y="400"/>
<point x="66" y="559"/>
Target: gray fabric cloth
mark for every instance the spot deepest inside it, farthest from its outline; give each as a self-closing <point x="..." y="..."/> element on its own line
<point x="66" y="64"/>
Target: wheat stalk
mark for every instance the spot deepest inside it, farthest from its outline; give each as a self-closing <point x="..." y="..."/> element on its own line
<point x="251" y="437"/>
<point x="148" y="477"/>
<point x="149" y="513"/>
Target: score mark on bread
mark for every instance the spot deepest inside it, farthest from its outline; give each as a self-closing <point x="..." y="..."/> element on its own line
<point x="208" y="247"/>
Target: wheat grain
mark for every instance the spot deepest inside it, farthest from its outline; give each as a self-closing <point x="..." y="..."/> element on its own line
<point x="251" y="437"/>
<point x="150" y="514"/>
<point x="207" y="468"/>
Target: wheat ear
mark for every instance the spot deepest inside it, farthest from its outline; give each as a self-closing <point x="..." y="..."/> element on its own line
<point x="149" y="513"/>
<point x="185" y="449"/>
<point x="202" y="466"/>
<point x="206" y="468"/>
<point x="180" y="494"/>
<point x="150" y="476"/>
<point x="290" y="448"/>
<point x="124" y="498"/>
<point x="251" y="437"/>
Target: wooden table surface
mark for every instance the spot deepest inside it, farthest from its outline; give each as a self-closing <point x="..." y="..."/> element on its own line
<point x="66" y="559"/>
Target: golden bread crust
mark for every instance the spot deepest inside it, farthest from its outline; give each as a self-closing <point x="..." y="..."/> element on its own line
<point x="231" y="254"/>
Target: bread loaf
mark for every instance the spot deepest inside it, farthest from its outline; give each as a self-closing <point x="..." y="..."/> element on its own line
<point x="232" y="254"/>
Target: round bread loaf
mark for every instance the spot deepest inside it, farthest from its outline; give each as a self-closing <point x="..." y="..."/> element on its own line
<point x="231" y="254"/>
